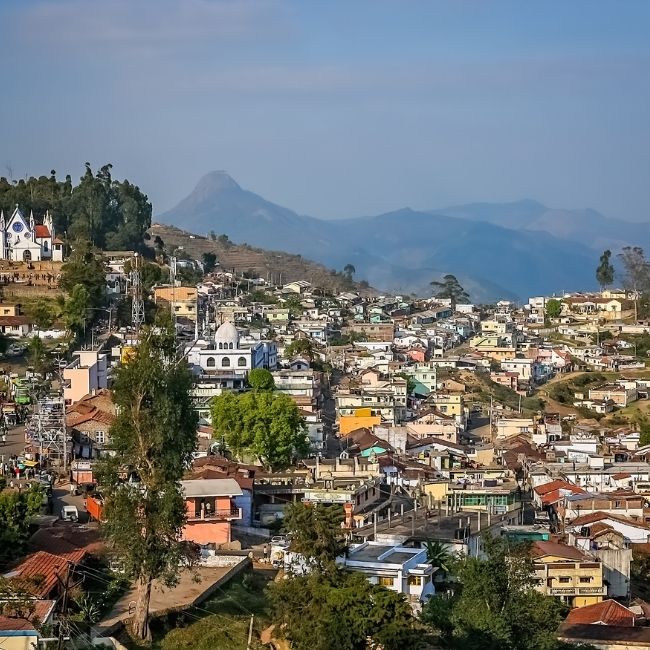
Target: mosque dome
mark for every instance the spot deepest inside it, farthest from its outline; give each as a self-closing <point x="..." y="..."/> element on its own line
<point x="227" y="335"/>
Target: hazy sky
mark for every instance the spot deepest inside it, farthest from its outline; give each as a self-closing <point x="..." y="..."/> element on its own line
<point x="337" y="108"/>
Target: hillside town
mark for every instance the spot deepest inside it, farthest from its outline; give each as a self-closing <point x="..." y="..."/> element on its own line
<point x="427" y="428"/>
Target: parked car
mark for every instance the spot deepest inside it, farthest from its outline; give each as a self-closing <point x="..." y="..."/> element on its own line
<point x="70" y="513"/>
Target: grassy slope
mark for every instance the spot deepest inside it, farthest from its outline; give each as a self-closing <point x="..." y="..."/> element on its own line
<point x="222" y="622"/>
<point x="243" y="258"/>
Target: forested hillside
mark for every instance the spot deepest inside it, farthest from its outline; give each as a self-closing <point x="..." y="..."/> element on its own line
<point x="112" y="214"/>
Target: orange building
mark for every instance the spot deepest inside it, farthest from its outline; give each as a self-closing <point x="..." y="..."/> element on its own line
<point x="210" y="508"/>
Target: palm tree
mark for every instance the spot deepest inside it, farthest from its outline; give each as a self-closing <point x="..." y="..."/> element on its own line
<point x="439" y="557"/>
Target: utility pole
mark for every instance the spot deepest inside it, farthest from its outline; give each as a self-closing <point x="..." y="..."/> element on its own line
<point x="250" y="633"/>
<point x="67" y="587"/>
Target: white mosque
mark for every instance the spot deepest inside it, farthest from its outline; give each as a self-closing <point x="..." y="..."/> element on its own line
<point x="227" y="360"/>
<point x="23" y="240"/>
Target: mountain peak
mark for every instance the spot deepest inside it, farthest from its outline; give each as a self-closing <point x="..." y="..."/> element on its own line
<point x="214" y="182"/>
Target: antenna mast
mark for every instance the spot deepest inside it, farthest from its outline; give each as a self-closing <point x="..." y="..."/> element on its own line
<point x="137" y="305"/>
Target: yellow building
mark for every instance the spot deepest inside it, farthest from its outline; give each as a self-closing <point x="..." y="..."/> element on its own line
<point x="568" y="573"/>
<point x="447" y="402"/>
<point x="362" y="417"/>
<point x="182" y="299"/>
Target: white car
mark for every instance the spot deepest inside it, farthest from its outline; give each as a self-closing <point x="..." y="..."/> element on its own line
<point x="70" y="513"/>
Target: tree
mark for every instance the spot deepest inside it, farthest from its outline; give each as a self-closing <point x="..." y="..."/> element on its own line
<point x="37" y="354"/>
<point x="316" y="532"/>
<point x="43" y="315"/>
<point x="75" y="309"/>
<point x="110" y="213"/>
<point x="86" y="267"/>
<point x="209" y="262"/>
<point x="348" y="272"/>
<point x="264" y="424"/>
<point x="341" y="610"/>
<point x="636" y="273"/>
<point x="605" y="270"/>
<point x="261" y="379"/>
<point x="153" y="438"/>
<point x="16" y="512"/>
<point x="495" y="604"/>
<point x="411" y="384"/>
<point x="450" y="289"/>
<point x="553" y="308"/>
<point x="300" y="347"/>
<point x="439" y="557"/>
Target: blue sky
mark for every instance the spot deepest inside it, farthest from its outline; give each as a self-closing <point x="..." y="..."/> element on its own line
<point x="337" y="108"/>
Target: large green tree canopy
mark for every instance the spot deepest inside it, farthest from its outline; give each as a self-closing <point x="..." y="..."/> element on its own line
<point x="263" y="424"/>
<point x="111" y="214"/>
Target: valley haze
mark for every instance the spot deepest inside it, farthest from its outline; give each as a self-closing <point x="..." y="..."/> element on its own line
<point x="497" y="250"/>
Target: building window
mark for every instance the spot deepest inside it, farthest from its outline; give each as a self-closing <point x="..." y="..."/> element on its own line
<point x="415" y="581"/>
<point x="231" y="346"/>
<point x="100" y="437"/>
<point x="564" y="579"/>
<point x="225" y="362"/>
<point x="241" y="362"/>
<point x="221" y="346"/>
<point x="210" y="363"/>
<point x="585" y="579"/>
<point x="385" y="582"/>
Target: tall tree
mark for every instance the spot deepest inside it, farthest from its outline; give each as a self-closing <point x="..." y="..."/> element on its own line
<point x="264" y="424"/>
<point x="605" y="270"/>
<point x="75" y="310"/>
<point x="636" y="273"/>
<point x="450" y="289"/>
<point x="553" y="308"/>
<point x="153" y="438"/>
<point x="349" y="271"/>
<point x="209" y="262"/>
<point x="16" y="512"/>
<point x="43" y="314"/>
<point x="86" y="267"/>
<point x="316" y="532"/>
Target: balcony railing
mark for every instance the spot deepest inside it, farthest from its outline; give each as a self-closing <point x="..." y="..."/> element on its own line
<point x="215" y="515"/>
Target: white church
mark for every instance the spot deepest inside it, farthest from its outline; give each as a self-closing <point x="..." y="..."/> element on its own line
<point x="23" y="240"/>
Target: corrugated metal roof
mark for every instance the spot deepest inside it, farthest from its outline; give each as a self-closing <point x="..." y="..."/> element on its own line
<point x="211" y="487"/>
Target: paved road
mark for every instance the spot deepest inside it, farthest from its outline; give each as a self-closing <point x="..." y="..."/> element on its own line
<point x="15" y="444"/>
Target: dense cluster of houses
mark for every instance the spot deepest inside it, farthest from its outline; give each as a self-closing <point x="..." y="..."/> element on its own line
<point x="401" y="436"/>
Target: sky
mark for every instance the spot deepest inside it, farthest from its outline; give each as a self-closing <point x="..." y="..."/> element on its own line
<point x="339" y="108"/>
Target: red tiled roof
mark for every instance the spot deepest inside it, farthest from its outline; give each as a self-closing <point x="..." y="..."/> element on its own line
<point x="42" y="612"/>
<point x="621" y="475"/>
<point x="594" y="517"/>
<point x="13" y="321"/>
<point x="41" y="231"/>
<point x="46" y="567"/>
<point x="609" y="612"/>
<point x="557" y="484"/>
<point x="541" y="549"/>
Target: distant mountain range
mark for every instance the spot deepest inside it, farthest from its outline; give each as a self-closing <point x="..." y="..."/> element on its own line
<point x="509" y="250"/>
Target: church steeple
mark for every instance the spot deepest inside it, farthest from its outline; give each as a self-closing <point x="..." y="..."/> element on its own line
<point x="31" y="221"/>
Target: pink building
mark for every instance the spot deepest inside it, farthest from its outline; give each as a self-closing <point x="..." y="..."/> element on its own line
<point x="210" y="508"/>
